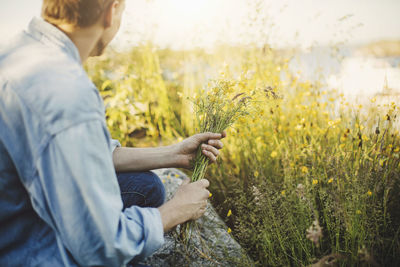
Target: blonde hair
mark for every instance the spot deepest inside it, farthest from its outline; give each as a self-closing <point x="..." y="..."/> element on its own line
<point x="79" y="13"/>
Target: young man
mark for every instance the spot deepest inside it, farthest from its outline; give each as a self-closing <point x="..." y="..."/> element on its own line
<point x="60" y="197"/>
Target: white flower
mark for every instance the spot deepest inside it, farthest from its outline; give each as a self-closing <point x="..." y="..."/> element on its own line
<point x="314" y="233"/>
<point x="300" y="191"/>
<point x="256" y="194"/>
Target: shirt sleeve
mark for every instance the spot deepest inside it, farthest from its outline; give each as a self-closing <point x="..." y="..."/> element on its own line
<point x="114" y="144"/>
<point x="77" y="194"/>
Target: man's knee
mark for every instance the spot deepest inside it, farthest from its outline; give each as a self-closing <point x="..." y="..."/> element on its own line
<point x="158" y="194"/>
<point x="143" y="189"/>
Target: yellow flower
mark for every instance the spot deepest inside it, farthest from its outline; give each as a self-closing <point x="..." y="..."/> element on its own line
<point x="256" y="174"/>
<point x="373" y="100"/>
<point x="227" y="90"/>
<point x="365" y="138"/>
<point x="229" y="230"/>
<point x="210" y="195"/>
<point x="314" y="181"/>
<point x="241" y="120"/>
<point x="369" y="193"/>
<point x="381" y="162"/>
<point x="330" y="180"/>
<point x="304" y="169"/>
<point x="176" y="175"/>
<point x="274" y="154"/>
<point x="283" y="192"/>
<point x="358" y="211"/>
<point x="360" y="126"/>
<point x="229" y="213"/>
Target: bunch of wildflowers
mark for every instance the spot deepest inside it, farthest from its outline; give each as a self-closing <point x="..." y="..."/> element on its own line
<point x="215" y="111"/>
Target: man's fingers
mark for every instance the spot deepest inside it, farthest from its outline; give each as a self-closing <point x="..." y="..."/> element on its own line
<point x="223" y="134"/>
<point x="203" y="137"/>
<point x="216" y="143"/>
<point x="204" y="205"/>
<point x="204" y="182"/>
<point x="207" y="195"/>
<point x="211" y="149"/>
<point x="210" y="156"/>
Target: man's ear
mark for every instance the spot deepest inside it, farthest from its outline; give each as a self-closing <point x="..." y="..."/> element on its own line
<point x="109" y="14"/>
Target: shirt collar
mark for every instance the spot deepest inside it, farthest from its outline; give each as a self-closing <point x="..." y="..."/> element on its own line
<point x="44" y="31"/>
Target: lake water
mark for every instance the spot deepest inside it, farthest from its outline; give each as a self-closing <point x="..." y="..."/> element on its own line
<point x="357" y="77"/>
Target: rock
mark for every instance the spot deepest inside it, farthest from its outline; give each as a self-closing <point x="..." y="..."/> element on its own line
<point x="210" y="243"/>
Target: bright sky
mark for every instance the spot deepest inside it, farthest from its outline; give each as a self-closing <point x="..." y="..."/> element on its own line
<point x="184" y="23"/>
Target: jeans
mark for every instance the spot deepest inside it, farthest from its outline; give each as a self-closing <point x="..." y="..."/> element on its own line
<point x="143" y="189"/>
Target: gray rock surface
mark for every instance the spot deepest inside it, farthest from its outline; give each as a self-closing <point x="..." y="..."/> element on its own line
<point x="210" y="243"/>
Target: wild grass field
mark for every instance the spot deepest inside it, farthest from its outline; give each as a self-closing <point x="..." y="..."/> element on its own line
<point x="307" y="176"/>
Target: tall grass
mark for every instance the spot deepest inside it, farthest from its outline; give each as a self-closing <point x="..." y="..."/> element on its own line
<point x="307" y="157"/>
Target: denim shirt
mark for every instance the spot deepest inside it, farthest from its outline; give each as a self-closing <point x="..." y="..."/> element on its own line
<point x="60" y="202"/>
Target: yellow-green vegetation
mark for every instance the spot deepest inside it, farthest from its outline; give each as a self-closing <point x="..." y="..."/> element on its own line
<point x="216" y="110"/>
<point x="306" y="175"/>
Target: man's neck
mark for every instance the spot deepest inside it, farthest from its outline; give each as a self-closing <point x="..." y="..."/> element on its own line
<point x="85" y="39"/>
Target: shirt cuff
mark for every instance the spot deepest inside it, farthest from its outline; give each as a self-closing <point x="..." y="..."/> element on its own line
<point x="114" y="144"/>
<point x="153" y="229"/>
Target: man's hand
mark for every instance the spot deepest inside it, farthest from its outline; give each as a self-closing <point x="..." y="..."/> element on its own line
<point x="185" y="151"/>
<point x="189" y="203"/>
<point x="128" y="159"/>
